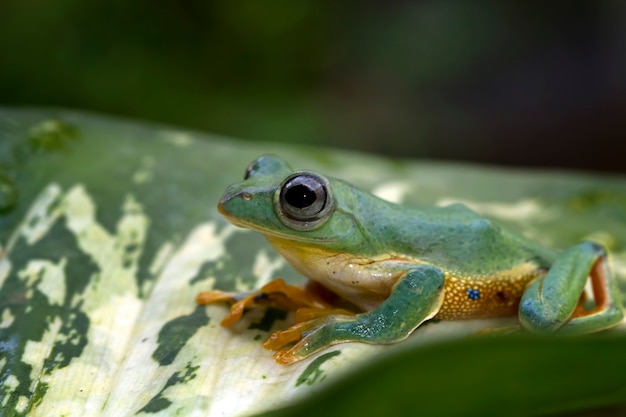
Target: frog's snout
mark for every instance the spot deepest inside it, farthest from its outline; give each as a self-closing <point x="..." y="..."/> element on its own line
<point x="220" y="207"/>
<point x="231" y="194"/>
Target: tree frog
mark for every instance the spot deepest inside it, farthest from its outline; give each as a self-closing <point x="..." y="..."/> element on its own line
<point x="378" y="270"/>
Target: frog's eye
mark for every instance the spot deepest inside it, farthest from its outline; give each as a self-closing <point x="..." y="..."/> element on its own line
<point x="266" y="165"/>
<point x="250" y="169"/>
<point x="304" y="202"/>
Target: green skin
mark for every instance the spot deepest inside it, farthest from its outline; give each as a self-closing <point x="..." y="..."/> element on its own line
<point x="354" y="246"/>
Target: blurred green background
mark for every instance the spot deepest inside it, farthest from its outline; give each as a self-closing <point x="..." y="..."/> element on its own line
<point x="516" y="83"/>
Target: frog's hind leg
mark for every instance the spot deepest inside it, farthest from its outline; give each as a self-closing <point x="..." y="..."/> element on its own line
<point x="552" y="303"/>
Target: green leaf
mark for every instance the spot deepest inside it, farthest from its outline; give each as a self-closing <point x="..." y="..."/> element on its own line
<point x="108" y="230"/>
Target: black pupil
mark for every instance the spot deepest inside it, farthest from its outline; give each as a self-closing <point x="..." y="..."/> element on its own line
<point x="300" y="196"/>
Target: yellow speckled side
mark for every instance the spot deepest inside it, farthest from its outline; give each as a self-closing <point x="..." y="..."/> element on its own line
<point x="482" y="297"/>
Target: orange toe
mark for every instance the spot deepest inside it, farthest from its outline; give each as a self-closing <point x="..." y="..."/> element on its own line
<point x="280" y="338"/>
<point x="306" y="314"/>
<point x="209" y="297"/>
<point x="237" y="309"/>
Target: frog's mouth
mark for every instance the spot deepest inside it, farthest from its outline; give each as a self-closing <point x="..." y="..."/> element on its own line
<point x="265" y="231"/>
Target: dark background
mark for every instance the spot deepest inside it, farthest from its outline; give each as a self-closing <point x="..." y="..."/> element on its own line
<point x="516" y="83"/>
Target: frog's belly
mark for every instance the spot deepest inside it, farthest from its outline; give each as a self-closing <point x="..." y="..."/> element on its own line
<point x="470" y="298"/>
<point x="364" y="286"/>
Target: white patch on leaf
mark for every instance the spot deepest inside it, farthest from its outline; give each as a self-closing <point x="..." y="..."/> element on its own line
<point x="204" y="244"/>
<point x="5" y="268"/>
<point x="11" y="382"/>
<point x="115" y="315"/>
<point x="164" y="253"/>
<point x="123" y="328"/>
<point x="36" y="352"/>
<point x="617" y="260"/>
<point x="145" y="172"/>
<point x="50" y="277"/>
<point x="22" y="404"/>
<point x="80" y="218"/>
<point x="393" y="191"/>
<point x="38" y="220"/>
<point x="526" y="209"/>
<point x="6" y="320"/>
<point x="264" y="268"/>
<point x="171" y="297"/>
<point x="110" y="300"/>
<point x="42" y="214"/>
<point x="176" y="138"/>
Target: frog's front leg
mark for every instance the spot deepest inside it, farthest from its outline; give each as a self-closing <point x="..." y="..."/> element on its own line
<point x="551" y="303"/>
<point x="415" y="298"/>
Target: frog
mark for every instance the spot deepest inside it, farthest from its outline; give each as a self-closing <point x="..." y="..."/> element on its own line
<point x="377" y="270"/>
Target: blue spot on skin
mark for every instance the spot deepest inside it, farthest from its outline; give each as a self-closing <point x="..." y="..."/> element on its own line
<point x="473" y="293"/>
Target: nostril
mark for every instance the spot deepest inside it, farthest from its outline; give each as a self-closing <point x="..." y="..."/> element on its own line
<point x="246" y="196"/>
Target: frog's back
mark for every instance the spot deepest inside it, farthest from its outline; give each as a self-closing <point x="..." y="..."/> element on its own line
<point x="454" y="238"/>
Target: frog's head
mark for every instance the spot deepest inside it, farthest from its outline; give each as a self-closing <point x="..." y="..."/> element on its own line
<point x="300" y="206"/>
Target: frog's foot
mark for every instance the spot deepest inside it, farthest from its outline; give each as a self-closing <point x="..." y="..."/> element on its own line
<point x="307" y="320"/>
<point x="276" y="294"/>
<point x="311" y="336"/>
<point x="280" y="338"/>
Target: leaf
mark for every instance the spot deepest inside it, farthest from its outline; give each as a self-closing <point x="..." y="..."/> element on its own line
<point x="108" y="230"/>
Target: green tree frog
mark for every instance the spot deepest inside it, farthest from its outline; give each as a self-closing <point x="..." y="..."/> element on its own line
<point x="379" y="270"/>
